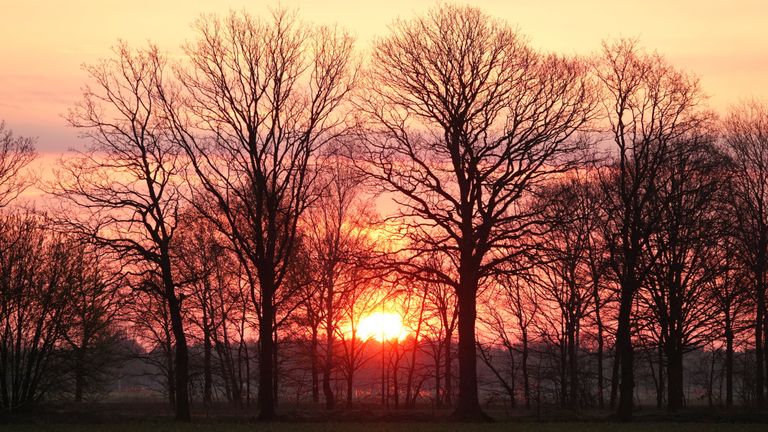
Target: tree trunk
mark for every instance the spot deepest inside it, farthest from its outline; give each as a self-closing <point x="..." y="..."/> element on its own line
<point x="511" y="390"/>
<point x="563" y="373"/>
<point x="266" y="356"/>
<point x="234" y="374"/>
<point x="384" y="377"/>
<point x="573" y="367"/>
<point x="395" y="373"/>
<point x="765" y="349"/>
<point x="438" y="400"/>
<point x="599" y="323"/>
<point x="624" y="349"/>
<point x="276" y="363"/>
<point x="468" y="404"/>
<point x="674" y="375"/>
<point x="207" y="374"/>
<point x="711" y="381"/>
<point x="759" y="393"/>
<point x="171" y="372"/>
<point x="315" y="372"/>
<point x="181" y="361"/>
<point x="330" y="401"/>
<point x="448" y="369"/>
<point x="674" y="345"/>
<point x="660" y="378"/>
<point x="80" y="373"/>
<point x="760" y="316"/>
<point x="350" y="386"/>
<point x="524" y="365"/>
<point x="412" y="394"/>
<point x="615" y="378"/>
<point x="728" y="364"/>
<point x="247" y="375"/>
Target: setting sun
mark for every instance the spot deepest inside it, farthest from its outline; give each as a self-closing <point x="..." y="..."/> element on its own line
<point x="382" y="326"/>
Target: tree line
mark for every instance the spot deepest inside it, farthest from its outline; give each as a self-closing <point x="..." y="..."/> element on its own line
<point x="250" y="203"/>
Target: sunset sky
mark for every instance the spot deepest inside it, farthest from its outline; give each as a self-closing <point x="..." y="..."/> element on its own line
<point x="43" y="43"/>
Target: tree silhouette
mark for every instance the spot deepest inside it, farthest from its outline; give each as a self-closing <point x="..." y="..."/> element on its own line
<point x="124" y="193"/>
<point x="648" y="105"/>
<point x="461" y="120"/>
<point x="746" y="138"/>
<point x="251" y="109"/>
<point x="16" y="152"/>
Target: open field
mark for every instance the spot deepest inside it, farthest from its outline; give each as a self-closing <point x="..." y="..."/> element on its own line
<point x="127" y="416"/>
<point x="390" y="427"/>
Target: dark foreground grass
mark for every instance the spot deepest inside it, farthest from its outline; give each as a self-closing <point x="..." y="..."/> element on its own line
<point x="390" y="427"/>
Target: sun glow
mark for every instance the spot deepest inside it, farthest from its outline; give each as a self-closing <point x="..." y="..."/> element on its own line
<point x="382" y="326"/>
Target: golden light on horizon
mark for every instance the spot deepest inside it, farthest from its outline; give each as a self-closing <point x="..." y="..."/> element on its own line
<point x="382" y="326"/>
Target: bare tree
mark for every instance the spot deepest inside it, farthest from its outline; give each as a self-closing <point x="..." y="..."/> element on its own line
<point x="648" y="105"/>
<point x="563" y="275"/>
<point x="413" y="304"/>
<point x="598" y="262"/>
<point x="362" y="299"/>
<point x="214" y="301"/>
<point x="309" y="318"/>
<point x="148" y="323"/>
<point x="256" y="101"/>
<point x="92" y="334"/>
<point x="36" y="278"/>
<point x="731" y="299"/>
<point x="462" y="120"/>
<point x="509" y="311"/>
<point x="746" y="138"/>
<point x="338" y="237"/>
<point x="441" y="327"/>
<point x="16" y="152"/>
<point x="124" y="192"/>
<point x="525" y="310"/>
<point x="677" y="292"/>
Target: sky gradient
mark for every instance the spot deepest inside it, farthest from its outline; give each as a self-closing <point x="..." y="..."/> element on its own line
<point x="43" y="43"/>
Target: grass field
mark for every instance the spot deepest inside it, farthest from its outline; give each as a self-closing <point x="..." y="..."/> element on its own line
<point x="390" y="427"/>
<point x="153" y="417"/>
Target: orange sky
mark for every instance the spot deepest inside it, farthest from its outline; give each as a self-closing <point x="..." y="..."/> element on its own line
<point x="43" y="43"/>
